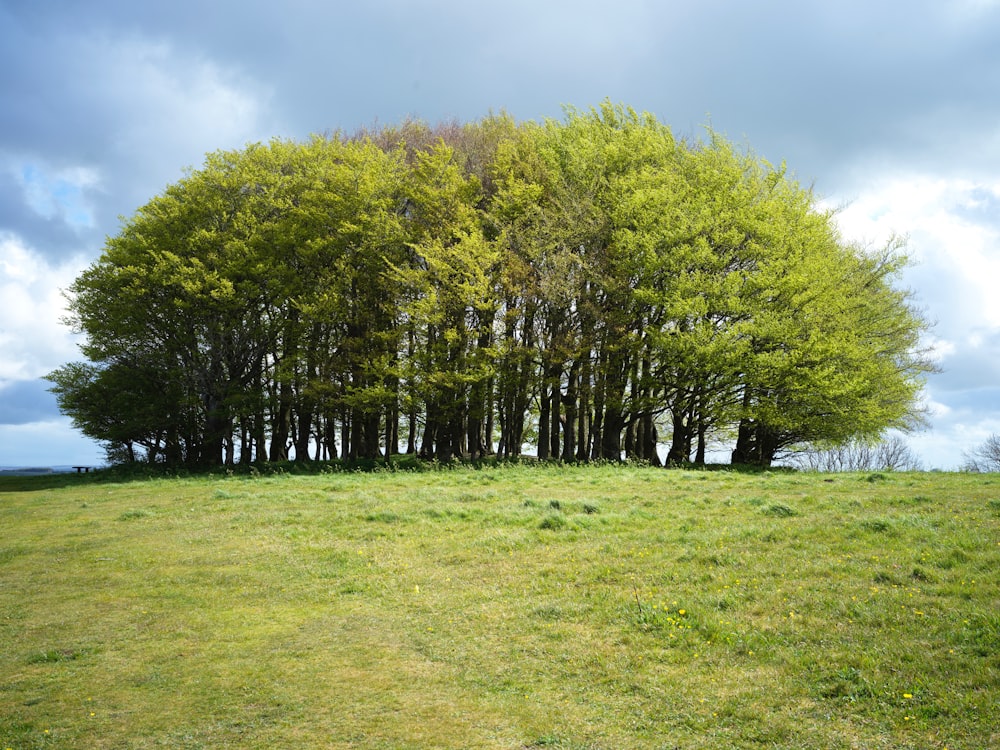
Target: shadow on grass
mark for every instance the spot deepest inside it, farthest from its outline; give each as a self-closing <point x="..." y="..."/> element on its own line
<point x="139" y="472"/>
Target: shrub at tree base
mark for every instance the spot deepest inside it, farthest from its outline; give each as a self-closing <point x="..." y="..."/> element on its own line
<point x="591" y="287"/>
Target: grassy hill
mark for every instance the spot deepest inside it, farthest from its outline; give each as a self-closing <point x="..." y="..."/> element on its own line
<point x="598" y="607"/>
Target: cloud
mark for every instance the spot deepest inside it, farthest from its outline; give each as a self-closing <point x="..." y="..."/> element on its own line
<point x="953" y="238"/>
<point x="59" y="194"/>
<point x="56" y="215"/>
<point x="178" y="103"/>
<point x="953" y="231"/>
<point x="33" y="339"/>
<point x="892" y="113"/>
<point x="108" y="122"/>
<point x="965" y="424"/>
<point x="26" y="401"/>
<point x="47" y="443"/>
<point x="972" y="364"/>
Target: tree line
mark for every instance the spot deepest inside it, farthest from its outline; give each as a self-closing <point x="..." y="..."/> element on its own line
<point x="587" y="288"/>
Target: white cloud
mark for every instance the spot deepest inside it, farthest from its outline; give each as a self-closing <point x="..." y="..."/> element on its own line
<point x="953" y="230"/>
<point x="139" y="110"/>
<point x="180" y="105"/>
<point x="940" y="348"/>
<point x="936" y="409"/>
<point x="953" y="236"/>
<point x="33" y="340"/>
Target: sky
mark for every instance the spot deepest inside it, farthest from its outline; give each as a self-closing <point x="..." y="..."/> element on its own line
<point x="889" y="110"/>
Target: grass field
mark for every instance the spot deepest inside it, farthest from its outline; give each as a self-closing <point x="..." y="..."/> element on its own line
<point x="525" y="607"/>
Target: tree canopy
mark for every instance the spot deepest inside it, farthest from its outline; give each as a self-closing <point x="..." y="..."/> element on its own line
<point x="589" y="288"/>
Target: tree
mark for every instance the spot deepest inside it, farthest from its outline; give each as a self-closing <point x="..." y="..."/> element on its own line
<point x="887" y="454"/>
<point x="594" y="285"/>
<point x="450" y="305"/>
<point x="350" y="229"/>
<point x="185" y="289"/>
<point x="130" y="407"/>
<point x="834" y="345"/>
<point x="692" y="226"/>
<point x="985" y="457"/>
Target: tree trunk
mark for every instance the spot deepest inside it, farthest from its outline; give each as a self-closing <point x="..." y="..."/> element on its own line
<point x="611" y="438"/>
<point x="488" y="428"/>
<point x="392" y="428"/>
<point x="569" y="434"/>
<point x="756" y="445"/>
<point x="427" y="449"/>
<point x="216" y="427"/>
<point x="281" y="423"/>
<point x="648" y="440"/>
<point x="543" y="422"/>
<point x="583" y="428"/>
<point x="411" y="432"/>
<point x="597" y="427"/>
<point x="304" y="433"/>
<point x="554" y="410"/>
<point x="680" y="439"/>
<point x="345" y="433"/>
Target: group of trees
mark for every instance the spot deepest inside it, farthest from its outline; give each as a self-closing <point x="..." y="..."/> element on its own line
<point x="889" y="454"/>
<point x="985" y="457"/>
<point x="592" y="287"/>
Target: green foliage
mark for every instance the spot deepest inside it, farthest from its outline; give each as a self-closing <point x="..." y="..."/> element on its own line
<point x="592" y="285"/>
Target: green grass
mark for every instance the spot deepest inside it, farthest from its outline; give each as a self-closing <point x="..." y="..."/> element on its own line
<point x="526" y="607"/>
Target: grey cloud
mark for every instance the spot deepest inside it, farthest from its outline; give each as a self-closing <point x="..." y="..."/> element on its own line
<point x="983" y="208"/>
<point x="842" y="91"/>
<point x="808" y="82"/>
<point x="970" y="405"/>
<point x="27" y="401"/>
<point x="973" y="366"/>
<point x="53" y="236"/>
<point x="119" y="103"/>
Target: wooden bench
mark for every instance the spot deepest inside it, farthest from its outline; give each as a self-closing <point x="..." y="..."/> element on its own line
<point x="84" y="469"/>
